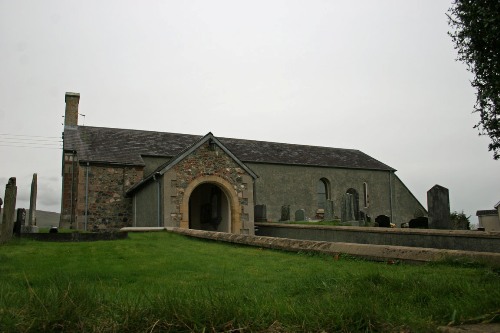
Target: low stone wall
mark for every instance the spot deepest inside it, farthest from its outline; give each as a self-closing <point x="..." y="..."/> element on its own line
<point x="463" y="240"/>
<point x="75" y="236"/>
<point x="372" y="252"/>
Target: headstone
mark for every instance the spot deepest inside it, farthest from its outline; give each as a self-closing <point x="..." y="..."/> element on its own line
<point x="8" y="210"/>
<point x="260" y="213"/>
<point x="20" y="221"/>
<point x="328" y="210"/>
<point x="383" y="221"/>
<point x="438" y="204"/>
<point x="362" y="218"/>
<point x="285" y="213"/>
<point x="32" y="214"/>
<point x="300" y="215"/>
<point x="347" y="209"/>
<point x="421" y="222"/>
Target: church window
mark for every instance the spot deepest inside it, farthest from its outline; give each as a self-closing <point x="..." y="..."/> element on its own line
<point x="322" y="192"/>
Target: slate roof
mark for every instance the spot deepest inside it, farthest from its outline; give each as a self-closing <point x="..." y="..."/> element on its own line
<point x="486" y="212"/>
<point x="125" y="147"/>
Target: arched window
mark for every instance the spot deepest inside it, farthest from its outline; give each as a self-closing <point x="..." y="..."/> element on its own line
<point x="322" y="192"/>
<point x="366" y="202"/>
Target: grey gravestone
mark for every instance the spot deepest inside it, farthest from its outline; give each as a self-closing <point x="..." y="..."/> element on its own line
<point x="260" y="213"/>
<point x="285" y="213"/>
<point x="347" y="210"/>
<point x="328" y="210"/>
<point x="438" y="204"/>
<point x="300" y="215"/>
<point x="20" y="221"/>
<point x="9" y="210"/>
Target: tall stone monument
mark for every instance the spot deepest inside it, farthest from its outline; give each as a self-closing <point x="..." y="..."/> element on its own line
<point x="438" y="205"/>
<point x="8" y="211"/>
<point x="347" y="210"/>
<point x="32" y="214"/>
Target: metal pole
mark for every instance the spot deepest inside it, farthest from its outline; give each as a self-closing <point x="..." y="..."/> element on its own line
<point x="159" y="202"/>
<point x="86" y="195"/>
<point x="390" y="193"/>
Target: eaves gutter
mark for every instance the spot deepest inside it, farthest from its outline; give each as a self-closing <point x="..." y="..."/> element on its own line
<point x="321" y="166"/>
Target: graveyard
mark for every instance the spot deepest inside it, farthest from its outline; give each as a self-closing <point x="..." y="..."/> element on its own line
<point x="200" y="285"/>
<point x="292" y="275"/>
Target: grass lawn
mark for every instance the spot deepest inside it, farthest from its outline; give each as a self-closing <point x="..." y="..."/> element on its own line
<point x="161" y="282"/>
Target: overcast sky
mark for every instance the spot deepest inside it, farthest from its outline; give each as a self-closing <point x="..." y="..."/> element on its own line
<point x="378" y="76"/>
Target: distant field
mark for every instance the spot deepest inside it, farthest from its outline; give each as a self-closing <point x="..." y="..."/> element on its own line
<point x="162" y="282"/>
<point x="44" y="219"/>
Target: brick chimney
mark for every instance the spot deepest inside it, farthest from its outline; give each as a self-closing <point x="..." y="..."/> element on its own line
<point x="71" y="113"/>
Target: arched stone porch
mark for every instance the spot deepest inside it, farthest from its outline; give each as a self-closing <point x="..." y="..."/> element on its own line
<point x="227" y="190"/>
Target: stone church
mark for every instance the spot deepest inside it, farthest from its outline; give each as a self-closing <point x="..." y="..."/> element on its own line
<point x="112" y="178"/>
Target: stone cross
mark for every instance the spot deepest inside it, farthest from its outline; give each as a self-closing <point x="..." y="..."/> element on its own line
<point x="8" y="211"/>
<point x="438" y="204"/>
<point x="32" y="215"/>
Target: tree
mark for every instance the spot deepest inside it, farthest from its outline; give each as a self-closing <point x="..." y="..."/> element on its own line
<point x="476" y="34"/>
<point x="460" y="221"/>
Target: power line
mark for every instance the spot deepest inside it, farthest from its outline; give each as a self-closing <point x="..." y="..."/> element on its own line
<point x="31" y="140"/>
<point x="33" y="147"/>
<point x="34" y="143"/>
<point x="31" y="136"/>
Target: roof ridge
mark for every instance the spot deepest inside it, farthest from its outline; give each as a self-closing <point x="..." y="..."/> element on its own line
<point x="220" y="138"/>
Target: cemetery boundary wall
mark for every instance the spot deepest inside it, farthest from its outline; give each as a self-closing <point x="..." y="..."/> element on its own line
<point x="75" y="236"/>
<point x="367" y="251"/>
<point x="463" y="240"/>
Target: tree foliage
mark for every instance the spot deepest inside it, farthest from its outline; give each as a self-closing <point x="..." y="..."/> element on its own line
<point x="476" y="34"/>
<point x="460" y="221"/>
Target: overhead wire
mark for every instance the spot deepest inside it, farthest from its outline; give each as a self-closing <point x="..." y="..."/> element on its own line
<point x="30" y="141"/>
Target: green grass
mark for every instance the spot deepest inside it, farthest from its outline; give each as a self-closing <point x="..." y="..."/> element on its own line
<point x="162" y="282"/>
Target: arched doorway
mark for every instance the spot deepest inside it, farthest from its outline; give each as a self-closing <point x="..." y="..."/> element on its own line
<point x="209" y="209"/>
<point x="228" y="193"/>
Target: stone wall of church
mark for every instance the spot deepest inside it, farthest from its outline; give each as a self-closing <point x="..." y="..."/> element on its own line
<point x="108" y="208"/>
<point x="296" y="186"/>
